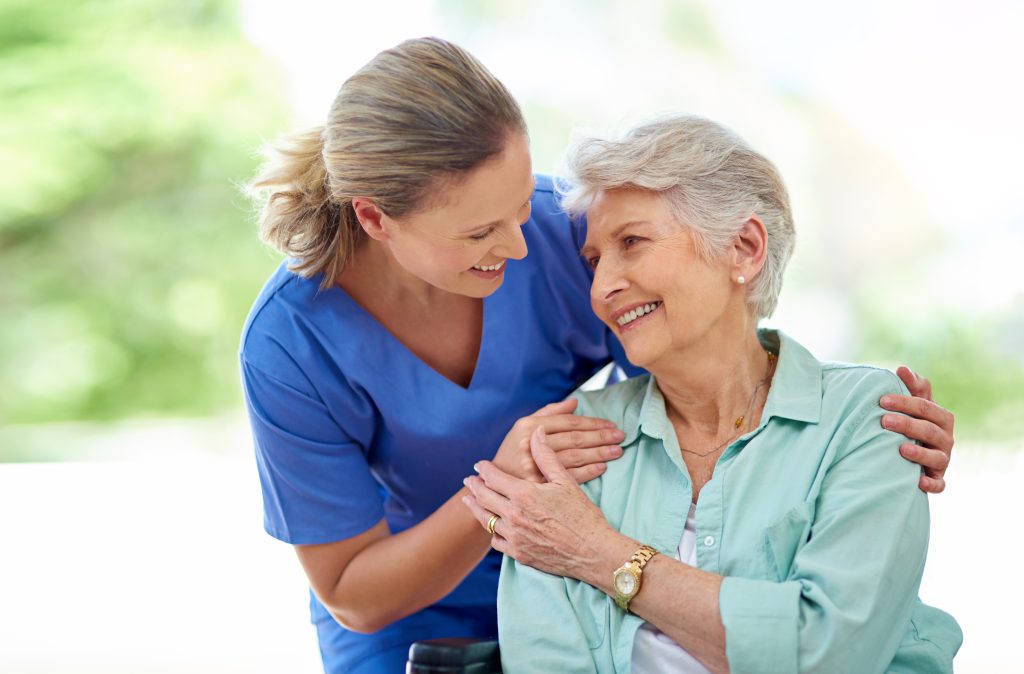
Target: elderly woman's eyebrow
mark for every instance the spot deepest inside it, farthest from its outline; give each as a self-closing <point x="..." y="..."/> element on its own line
<point x="587" y="248"/>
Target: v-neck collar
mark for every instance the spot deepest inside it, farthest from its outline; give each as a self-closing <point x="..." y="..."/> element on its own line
<point x="395" y="344"/>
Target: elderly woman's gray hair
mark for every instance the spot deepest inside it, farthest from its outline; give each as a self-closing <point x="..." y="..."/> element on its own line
<point x="713" y="183"/>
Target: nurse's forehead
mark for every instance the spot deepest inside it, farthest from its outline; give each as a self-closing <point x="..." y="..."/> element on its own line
<point x="489" y="210"/>
<point x="471" y="206"/>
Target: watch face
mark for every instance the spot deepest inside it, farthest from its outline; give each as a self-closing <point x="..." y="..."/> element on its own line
<point x="625" y="583"/>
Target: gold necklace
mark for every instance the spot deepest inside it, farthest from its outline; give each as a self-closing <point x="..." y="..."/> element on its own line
<point x="738" y="424"/>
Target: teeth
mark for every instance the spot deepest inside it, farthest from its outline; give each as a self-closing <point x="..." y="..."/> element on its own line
<point x="490" y="267"/>
<point x="631" y="316"/>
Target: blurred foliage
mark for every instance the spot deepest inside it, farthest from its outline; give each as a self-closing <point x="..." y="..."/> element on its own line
<point x="980" y="379"/>
<point x="127" y="257"/>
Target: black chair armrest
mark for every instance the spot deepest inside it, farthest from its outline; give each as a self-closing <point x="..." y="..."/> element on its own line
<point x="454" y="656"/>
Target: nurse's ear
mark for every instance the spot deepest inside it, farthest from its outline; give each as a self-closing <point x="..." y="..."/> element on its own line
<point x="372" y="219"/>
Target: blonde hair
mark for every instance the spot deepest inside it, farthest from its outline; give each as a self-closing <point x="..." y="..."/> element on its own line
<point x="413" y="120"/>
<point x="710" y="178"/>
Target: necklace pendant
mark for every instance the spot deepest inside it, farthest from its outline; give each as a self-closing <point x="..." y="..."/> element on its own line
<point x="739" y="422"/>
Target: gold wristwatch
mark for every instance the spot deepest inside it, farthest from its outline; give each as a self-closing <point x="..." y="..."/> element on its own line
<point x="626" y="580"/>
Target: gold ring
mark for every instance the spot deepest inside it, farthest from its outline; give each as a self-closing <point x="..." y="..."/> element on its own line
<point x="490" y="524"/>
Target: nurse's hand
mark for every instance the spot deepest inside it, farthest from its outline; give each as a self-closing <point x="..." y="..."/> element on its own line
<point x="925" y="421"/>
<point x="551" y="526"/>
<point x="582" y="444"/>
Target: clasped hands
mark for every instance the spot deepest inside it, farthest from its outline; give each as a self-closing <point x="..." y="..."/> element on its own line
<point x="582" y="444"/>
<point x="550" y="525"/>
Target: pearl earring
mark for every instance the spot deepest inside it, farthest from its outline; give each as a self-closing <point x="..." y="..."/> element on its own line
<point x="741" y="279"/>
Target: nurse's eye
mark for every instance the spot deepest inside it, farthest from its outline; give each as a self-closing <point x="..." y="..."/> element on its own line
<point x="592" y="261"/>
<point x="482" y="235"/>
<point x="524" y="212"/>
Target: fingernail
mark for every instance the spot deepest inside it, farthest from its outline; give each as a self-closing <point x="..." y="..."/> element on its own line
<point x="886" y="400"/>
<point x="476" y="467"/>
<point x="465" y="500"/>
<point x="619" y="434"/>
<point x="888" y="421"/>
<point x="465" y="481"/>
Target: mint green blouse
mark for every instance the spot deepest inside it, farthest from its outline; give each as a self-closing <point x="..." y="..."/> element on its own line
<point x="814" y="519"/>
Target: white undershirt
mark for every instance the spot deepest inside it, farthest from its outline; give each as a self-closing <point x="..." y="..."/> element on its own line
<point x="654" y="652"/>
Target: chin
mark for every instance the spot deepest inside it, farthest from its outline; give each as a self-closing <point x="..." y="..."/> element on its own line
<point x="637" y="357"/>
<point x="645" y="355"/>
<point x="485" y="293"/>
<point x="477" y="290"/>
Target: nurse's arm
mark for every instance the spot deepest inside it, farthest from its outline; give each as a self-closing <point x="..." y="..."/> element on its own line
<point x="373" y="579"/>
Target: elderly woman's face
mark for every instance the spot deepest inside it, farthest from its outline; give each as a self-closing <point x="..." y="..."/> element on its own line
<point x="651" y="287"/>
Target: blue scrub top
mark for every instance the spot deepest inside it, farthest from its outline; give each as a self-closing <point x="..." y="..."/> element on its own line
<point x="350" y="426"/>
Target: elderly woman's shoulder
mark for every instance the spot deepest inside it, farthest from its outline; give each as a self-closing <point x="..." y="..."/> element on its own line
<point x="850" y="390"/>
<point x="616" y="402"/>
<point x="840" y="378"/>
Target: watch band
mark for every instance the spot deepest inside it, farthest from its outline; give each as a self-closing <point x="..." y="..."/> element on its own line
<point x="642" y="556"/>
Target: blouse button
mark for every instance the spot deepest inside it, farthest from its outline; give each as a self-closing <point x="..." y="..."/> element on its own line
<point x="709" y="541"/>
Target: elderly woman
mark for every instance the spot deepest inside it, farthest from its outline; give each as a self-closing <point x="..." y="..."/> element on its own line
<point x="763" y="521"/>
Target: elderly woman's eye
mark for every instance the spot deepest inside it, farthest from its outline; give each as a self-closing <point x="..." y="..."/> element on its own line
<point x="592" y="261"/>
<point x="630" y="240"/>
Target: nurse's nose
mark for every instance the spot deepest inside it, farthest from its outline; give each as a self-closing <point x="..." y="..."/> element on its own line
<point x="513" y="243"/>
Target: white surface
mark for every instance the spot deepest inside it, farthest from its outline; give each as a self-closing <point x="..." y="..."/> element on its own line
<point x="152" y="566"/>
<point x="161" y="565"/>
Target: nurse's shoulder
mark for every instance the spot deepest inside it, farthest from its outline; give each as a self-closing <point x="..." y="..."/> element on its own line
<point x="281" y="333"/>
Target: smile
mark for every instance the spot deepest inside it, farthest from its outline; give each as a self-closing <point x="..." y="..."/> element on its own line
<point x="489" y="267"/>
<point x="635" y="313"/>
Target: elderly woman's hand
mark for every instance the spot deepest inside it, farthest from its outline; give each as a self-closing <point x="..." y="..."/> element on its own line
<point x="551" y="526"/>
<point x="928" y="423"/>
<point x="582" y="444"/>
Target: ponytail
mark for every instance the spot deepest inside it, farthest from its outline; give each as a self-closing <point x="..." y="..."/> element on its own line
<point x="300" y="218"/>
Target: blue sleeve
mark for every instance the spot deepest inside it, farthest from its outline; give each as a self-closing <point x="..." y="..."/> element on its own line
<point x="317" y="485"/>
<point x="852" y="560"/>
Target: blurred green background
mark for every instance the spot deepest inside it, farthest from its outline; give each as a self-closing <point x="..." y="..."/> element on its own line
<point x="129" y="257"/>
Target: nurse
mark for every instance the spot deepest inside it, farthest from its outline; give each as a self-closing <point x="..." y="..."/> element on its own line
<point x="379" y="363"/>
